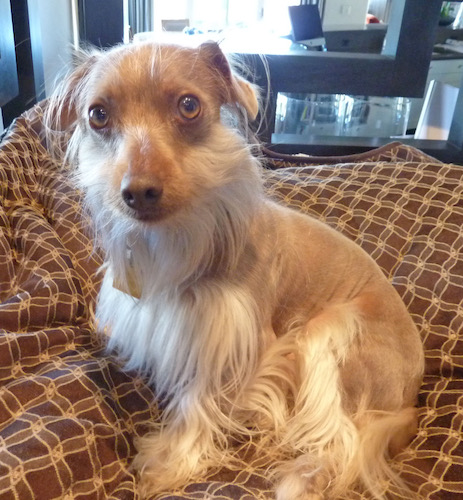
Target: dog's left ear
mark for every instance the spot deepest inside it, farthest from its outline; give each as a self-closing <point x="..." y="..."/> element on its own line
<point x="239" y="90"/>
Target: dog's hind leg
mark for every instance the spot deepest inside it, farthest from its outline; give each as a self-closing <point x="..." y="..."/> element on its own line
<point x="333" y="444"/>
<point x="319" y="431"/>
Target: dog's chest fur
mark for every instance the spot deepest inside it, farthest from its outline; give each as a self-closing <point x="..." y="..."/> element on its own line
<point x="177" y="337"/>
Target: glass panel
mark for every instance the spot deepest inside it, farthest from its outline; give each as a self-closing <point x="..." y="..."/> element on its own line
<point x="341" y="115"/>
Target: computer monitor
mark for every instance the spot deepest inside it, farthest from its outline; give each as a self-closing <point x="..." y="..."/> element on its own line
<point x="307" y="25"/>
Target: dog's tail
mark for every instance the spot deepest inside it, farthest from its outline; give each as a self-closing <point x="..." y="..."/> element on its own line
<point x="381" y="436"/>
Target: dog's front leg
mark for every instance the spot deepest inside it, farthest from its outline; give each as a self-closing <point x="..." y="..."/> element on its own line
<point x="187" y="442"/>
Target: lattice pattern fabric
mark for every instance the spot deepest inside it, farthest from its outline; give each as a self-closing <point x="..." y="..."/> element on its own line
<point x="69" y="412"/>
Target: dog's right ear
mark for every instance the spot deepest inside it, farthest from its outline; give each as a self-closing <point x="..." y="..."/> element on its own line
<point x="62" y="106"/>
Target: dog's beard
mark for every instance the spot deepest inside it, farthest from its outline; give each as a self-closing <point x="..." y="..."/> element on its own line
<point x="208" y="230"/>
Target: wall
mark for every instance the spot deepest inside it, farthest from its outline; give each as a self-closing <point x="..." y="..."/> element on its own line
<point x="52" y="35"/>
<point x="43" y="37"/>
<point x="344" y="12"/>
<point x="380" y="9"/>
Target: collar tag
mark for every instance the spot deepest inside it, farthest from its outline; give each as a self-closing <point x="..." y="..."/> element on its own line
<point x="132" y="286"/>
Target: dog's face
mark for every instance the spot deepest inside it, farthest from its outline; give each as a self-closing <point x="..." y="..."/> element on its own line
<point x="149" y="138"/>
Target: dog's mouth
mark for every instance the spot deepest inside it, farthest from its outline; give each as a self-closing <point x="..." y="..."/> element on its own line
<point x="147" y="215"/>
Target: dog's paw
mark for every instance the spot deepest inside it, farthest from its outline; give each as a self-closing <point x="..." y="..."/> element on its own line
<point x="295" y="489"/>
<point x="303" y="478"/>
<point x="156" y="477"/>
<point x="164" y="466"/>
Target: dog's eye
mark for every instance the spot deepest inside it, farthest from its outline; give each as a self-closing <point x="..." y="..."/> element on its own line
<point x="189" y="107"/>
<point x="98" y="117"/>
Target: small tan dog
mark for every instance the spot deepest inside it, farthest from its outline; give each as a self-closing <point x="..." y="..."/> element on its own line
<point x="251" y="320"/>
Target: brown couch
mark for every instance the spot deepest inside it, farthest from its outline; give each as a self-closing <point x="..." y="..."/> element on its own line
<point x="69" y="413"/>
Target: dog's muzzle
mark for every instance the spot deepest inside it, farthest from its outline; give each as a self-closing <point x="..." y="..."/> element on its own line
<point x="141" y="193"/>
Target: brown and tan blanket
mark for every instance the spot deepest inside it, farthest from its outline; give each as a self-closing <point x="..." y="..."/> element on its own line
<point x="69" y="412"/>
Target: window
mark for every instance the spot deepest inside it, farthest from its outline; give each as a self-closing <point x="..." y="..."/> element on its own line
<point x="221" y="14"/>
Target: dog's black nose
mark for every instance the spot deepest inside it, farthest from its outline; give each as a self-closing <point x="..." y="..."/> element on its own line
<point x="140" y="193"/>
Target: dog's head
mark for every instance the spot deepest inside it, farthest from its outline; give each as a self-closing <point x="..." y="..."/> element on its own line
<point x="149" y="140"/>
